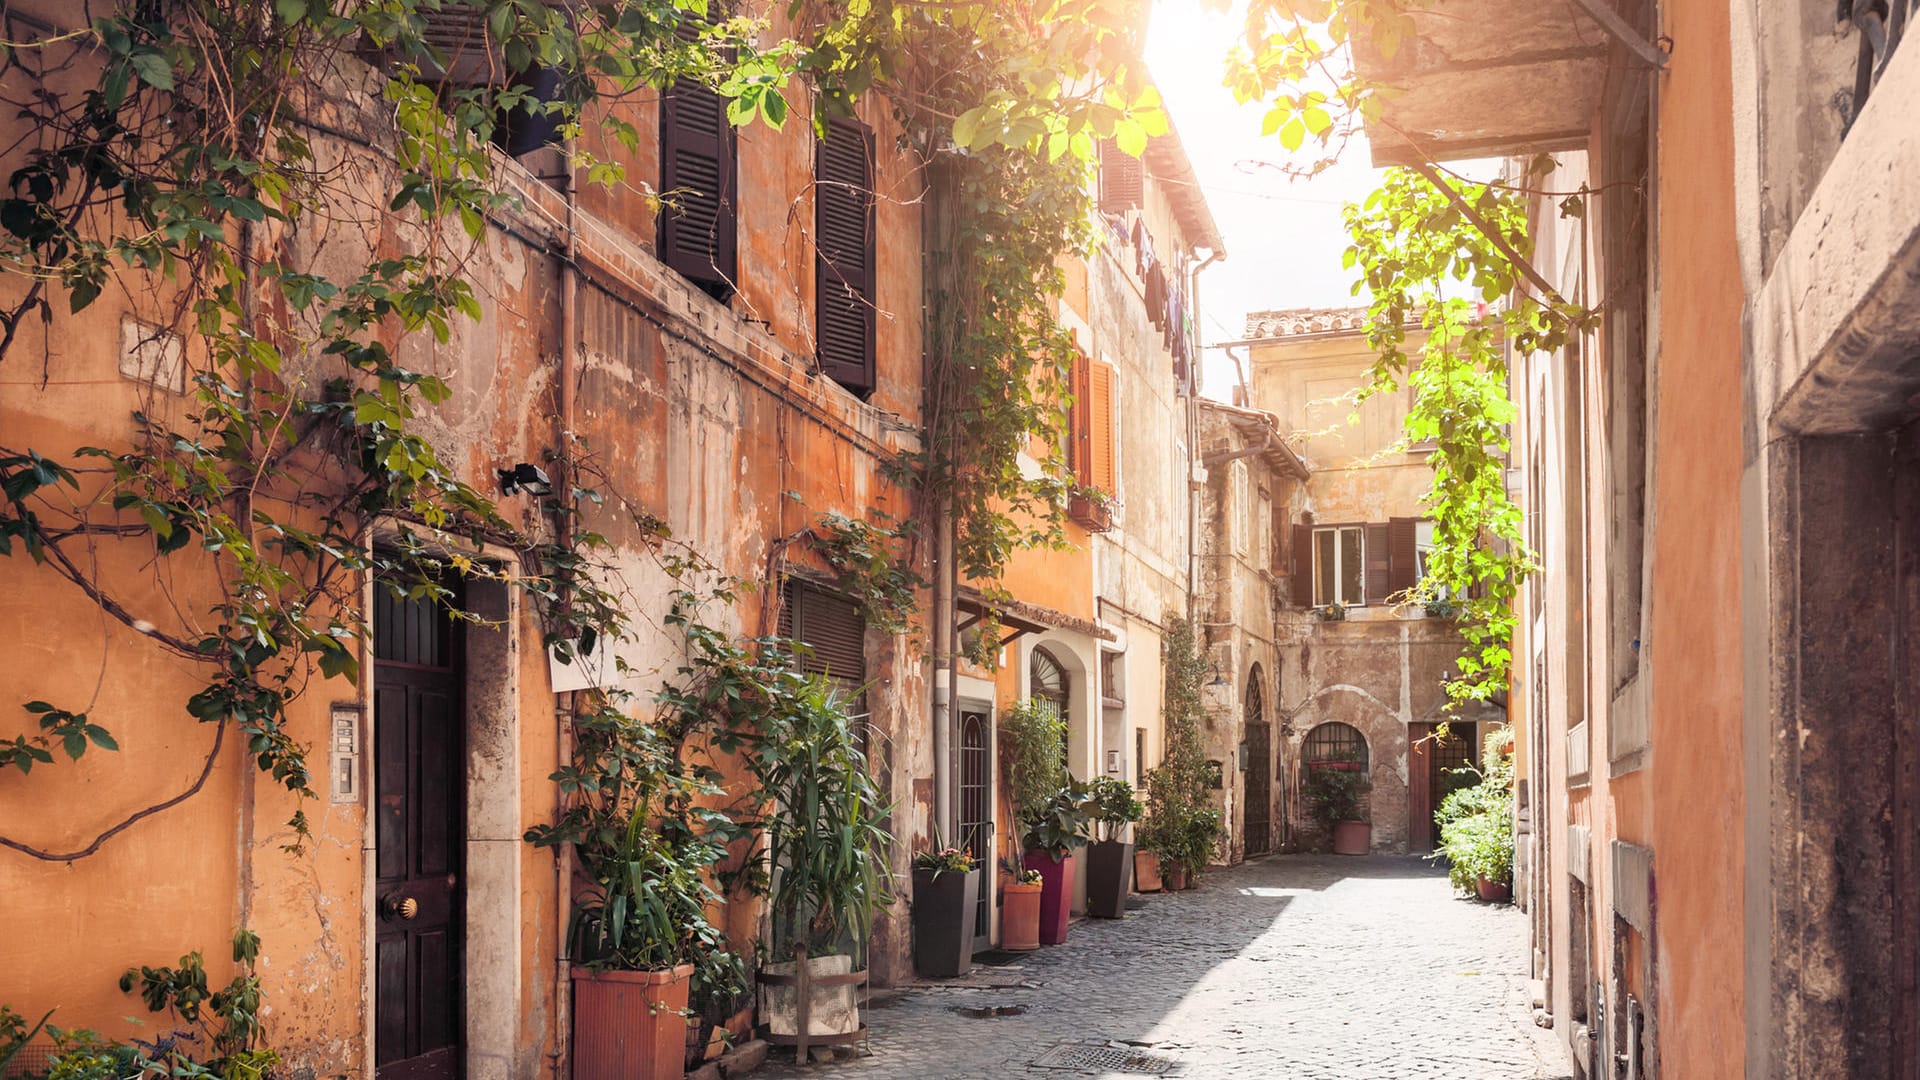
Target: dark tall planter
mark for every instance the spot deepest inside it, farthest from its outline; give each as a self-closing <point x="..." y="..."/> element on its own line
<point x="1109" y="878"/>
<point x="1056" y="895"/>
<point x="943" y="915"/>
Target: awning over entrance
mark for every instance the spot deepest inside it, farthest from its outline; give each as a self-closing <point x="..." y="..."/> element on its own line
<point x="1485" y="78"/>
<point x="1021" y="617"/>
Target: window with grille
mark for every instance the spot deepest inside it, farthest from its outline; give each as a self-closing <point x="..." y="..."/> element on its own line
<point x="1334" y="745"/>
<point x="1050" y="685"/>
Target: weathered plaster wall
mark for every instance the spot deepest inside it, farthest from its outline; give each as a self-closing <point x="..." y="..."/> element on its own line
<point x="690" y="410"/>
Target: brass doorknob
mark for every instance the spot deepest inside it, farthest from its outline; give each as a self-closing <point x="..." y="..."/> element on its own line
<point x="404" y="907"/>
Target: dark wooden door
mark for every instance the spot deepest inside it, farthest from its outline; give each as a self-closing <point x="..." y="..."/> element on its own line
<point x="1257" y="816"/>
<point x="1433" y="766"/>
<point x="976" y="815"/>
<point x="419" y="835"/>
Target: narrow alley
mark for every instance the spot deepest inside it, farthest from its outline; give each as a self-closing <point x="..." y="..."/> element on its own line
<point x="1294" y="967"/>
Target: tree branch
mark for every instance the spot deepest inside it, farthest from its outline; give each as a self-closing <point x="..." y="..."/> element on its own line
<point x="1486" y="229"/>
<point x="206" y="770"/>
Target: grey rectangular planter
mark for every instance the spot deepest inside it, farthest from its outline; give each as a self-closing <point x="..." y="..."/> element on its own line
<point x="943" y="914"/>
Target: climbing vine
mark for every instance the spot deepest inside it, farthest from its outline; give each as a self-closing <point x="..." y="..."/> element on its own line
<point x="1417" y="250"/>
<point x="173" y="157"/>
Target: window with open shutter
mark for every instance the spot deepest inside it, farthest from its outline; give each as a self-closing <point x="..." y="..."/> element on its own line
<point x="462" y="55"/>
<point x="844" y="255"/>
<point x="1080" y="420"/>
<point x="1102" y="473"/>
<point x="1378" y="547"/>
<point x="1403" y="569"/>
<point x="1122" y="179"/>
<point x="699" y="223"/>
<point x="1302" y="550"/>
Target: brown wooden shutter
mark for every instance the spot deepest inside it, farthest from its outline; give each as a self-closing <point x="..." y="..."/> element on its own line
<point x="1303" y="565"/>
<point x="699" y="225"/>
<point x="1100" y="418"/>
<point x="844" y="260"/>
<point x="831" y="628"/>
<point x="1279" y="550"/>
<point x="1403" y="561"/>
<point x="1122" y="179"/>
<point x="1080" y="421"/>
<point x="1378" y="549"/>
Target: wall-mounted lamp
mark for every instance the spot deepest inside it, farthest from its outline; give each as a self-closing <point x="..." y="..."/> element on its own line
<point x="526" y="477"/>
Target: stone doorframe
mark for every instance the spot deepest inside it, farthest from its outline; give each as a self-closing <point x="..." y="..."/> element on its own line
<point x="493" y="884"/>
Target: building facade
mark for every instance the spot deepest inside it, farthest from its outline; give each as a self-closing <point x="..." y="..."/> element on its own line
<point x="1713" y="677"/>
<point x="665" y="359"/>
<point x="1359" y="672"/>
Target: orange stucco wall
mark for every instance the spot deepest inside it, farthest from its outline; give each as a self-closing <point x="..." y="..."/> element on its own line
<point x="1694" y="531"/>
<point x="692" y="410"/>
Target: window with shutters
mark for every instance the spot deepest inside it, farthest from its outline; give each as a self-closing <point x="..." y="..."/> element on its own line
<point x="1339" y="566"/>
<point x="1093" y="423"/>
<point x="1239" y="508"/>
<point x="1422" y="553"/>
<point x="844" y="255"/>
<point x="829" y="631"/>
<point x="1261" y="520"/>
<point x="699" y="221"/>
<point x="1122" y="179"/>
<point x="461" y="55"/>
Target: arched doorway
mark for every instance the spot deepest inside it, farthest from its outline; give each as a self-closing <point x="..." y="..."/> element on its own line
<point x="1335" y="746"/>
<point x="1257" y="825"/>
<point x="1049" y="683"/>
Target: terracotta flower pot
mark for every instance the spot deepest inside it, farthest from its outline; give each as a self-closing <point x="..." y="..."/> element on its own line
<point x="1056" y="899"/>
<point x="1020" y="917"/>
<point x="630" y="1025"/>
<point x="1146" y="871"/>
<point x="1174" y="875"/>
<point x="1493" y="891"/>
<point x="1352" y="837"/>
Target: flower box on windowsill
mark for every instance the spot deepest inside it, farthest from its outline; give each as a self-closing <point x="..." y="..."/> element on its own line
<point x="1090" y="513"/>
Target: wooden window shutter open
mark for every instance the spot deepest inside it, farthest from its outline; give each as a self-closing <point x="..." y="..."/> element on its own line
<point x="1303" y="565"/>
<point x="1100" y="419"/>
<point x="1378" y="546"/>
<point x="1403" y="561"/>
<point x="1122" y="179"/>
<point x="1080" y="421"/>
<point x="844" y="255"/>
<point x="699" y="225"/>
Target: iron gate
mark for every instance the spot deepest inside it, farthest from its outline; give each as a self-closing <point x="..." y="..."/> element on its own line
<point x="1259" y="808"/>
<point x="976" y="815"/>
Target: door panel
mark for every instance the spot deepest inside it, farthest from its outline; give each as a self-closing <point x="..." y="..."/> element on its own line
<point x="420" y="838"/>
<point x="1259" y="820"/>
<point x="976" y="815"/>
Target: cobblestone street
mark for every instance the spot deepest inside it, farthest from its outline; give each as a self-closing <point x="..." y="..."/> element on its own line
<point x="1292" y="967"/>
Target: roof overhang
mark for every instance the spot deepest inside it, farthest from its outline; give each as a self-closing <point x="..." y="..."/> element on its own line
<point x="1488" y="78"/>
<point x="1021" y="617"/>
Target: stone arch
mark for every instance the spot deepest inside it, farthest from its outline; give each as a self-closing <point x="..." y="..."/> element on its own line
<point x="1386" y="737"/>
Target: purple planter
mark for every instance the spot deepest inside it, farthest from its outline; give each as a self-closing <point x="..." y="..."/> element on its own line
<point x="1056" y="894"/>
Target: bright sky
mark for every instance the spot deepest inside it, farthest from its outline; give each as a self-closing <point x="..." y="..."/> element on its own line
<point x="1284" y="237"/>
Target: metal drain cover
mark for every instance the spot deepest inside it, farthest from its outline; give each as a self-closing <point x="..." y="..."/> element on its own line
<point x="1105" y="1057"/>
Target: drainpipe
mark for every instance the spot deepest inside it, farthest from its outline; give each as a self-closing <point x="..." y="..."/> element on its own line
<point x="563" y="715"/>
<point x="1194" y="374"/>
<point x="945" y="587"/>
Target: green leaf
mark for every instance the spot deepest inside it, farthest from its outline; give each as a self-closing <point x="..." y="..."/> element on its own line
<point x="153" y="69"/>
<point x="290" y="11"/>
<point x="966" y="127"/>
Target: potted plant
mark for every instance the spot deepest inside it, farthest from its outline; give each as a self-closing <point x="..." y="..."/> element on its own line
<point x="946" y="887"/>
<point x="641" y="940"/>
<point x="1050" y="842"/>
<point x="1049" y="807"/>
<point x="1476" y="825"/>
<point x="1110" y="857"/>
<point x="823" y="826"/>
<point x="1182" y="825"/>
<point x="1146" y="859"/>
<point x="1020" y="910"/>
<point x="1332" y="794"/>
